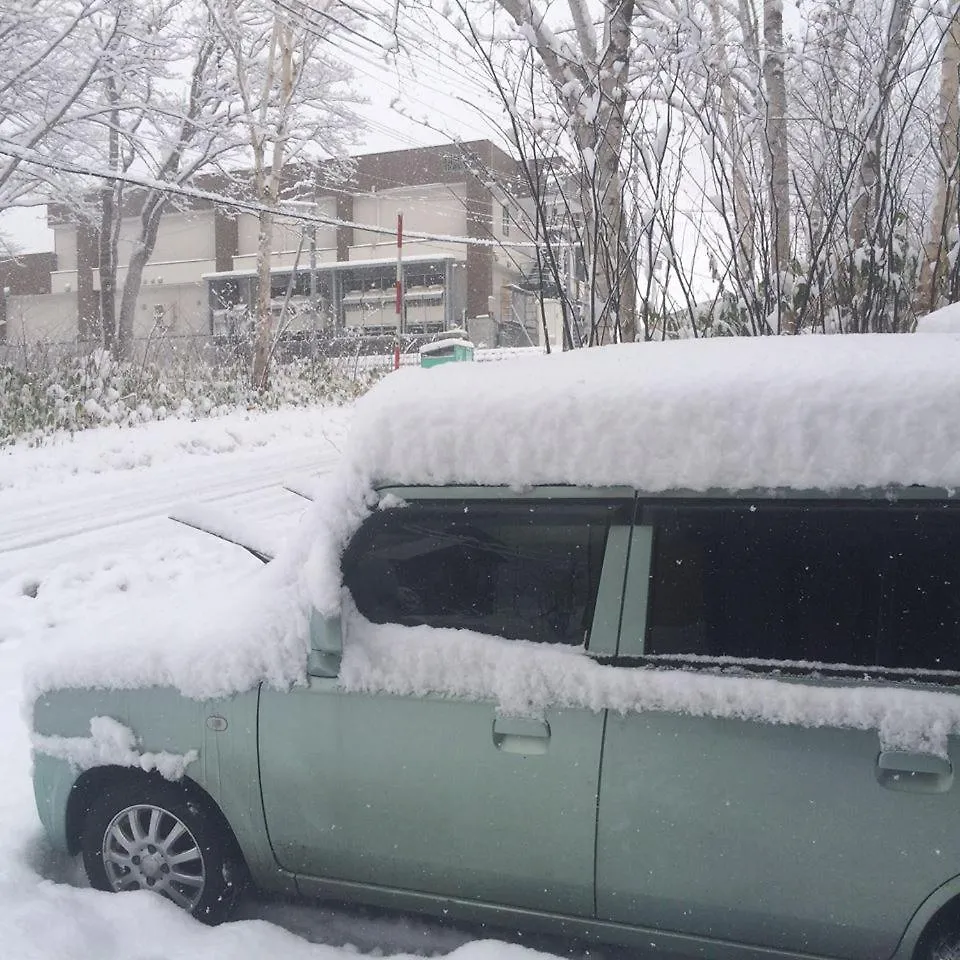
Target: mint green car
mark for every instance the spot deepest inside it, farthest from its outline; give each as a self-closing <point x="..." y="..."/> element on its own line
<point x="704" y="726"/>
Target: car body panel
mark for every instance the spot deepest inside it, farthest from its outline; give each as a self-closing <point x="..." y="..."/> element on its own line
<point x="672" y="833"/>
<point x="53" y="781"/>
<point x="777" y="835"/>
<point x="162" y="719"/>
<point x="424" y="797"/>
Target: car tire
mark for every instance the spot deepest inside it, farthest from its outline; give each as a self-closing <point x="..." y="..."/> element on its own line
<point x="145" y="833"/>
<point x="944" y="946"/>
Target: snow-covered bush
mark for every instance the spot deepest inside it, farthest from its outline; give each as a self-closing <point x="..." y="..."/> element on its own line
<point x="42" y="393"/>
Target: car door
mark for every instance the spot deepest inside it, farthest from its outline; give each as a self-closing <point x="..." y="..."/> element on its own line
<point x="439" y="790"/>
<point x="800" y="835"/>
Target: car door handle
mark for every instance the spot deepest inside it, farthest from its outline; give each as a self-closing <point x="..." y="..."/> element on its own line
<point x="914" y="772"/>
<point x="517" y="735"/>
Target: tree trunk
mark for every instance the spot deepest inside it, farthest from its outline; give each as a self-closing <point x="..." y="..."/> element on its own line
<point x="594" y="96"/>
<point x="743" y="209"/>
<point x="270" y="194"/>
<point x="111" y="212"/>
<point x="263" y="342"/>
<point x="142" y="251"/>
<point x="943" y="219"/>
<point x="777" y="150"/>
<point x="869" y="174"/>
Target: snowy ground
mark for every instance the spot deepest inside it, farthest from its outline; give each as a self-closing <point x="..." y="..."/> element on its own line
<point x="83" y="522"/>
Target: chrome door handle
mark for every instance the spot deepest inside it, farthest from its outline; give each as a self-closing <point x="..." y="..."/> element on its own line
<point x="517" y="735"/>
<point x="914" y="772"/>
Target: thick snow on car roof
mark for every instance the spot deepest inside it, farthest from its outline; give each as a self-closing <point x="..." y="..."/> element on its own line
<point x="814" y="412"/>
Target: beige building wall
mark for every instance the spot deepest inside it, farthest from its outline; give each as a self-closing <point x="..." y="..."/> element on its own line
<point x="182" y="237"/>
<point x="176" y="310"/>
<point x="286" y="236"/>
<point x="439" y="208"/>
<point x="64" y="278"/>
<point x="65" y="246"/>
<point x="42" y="317"/>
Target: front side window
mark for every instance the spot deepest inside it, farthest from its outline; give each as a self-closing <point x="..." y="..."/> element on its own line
<point x="519" y="570"/>
<point x="864" y="585"/>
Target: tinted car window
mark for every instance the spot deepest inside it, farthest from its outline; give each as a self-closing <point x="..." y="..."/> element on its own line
<point x="869" y="585"/>
<point x="519" y="570"/>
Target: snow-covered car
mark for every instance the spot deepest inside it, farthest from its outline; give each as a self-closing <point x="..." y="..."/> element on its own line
<point x="655" y="644"/>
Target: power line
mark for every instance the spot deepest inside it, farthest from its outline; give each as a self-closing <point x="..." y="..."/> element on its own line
<point x="248" y="206"/>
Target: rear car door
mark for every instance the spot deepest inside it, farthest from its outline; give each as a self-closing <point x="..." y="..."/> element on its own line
<point x="787" y="835"/>
<point x="438" y="790"/>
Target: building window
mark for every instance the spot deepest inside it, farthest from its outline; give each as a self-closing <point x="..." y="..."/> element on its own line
<point x="451" y="163"/>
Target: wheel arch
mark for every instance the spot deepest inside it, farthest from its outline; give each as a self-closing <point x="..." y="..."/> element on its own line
<point x="932" y="917"/>
<point x="942" y="920"/>
<point x="94" y="781"/>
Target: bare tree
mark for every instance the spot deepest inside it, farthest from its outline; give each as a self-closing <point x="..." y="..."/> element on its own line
<point x="941" y="259"/>
<point x="294" y="103"/>
<point x="158" y="105"/>
<point x="49" y="53"/>
<point x="585" y="69"/>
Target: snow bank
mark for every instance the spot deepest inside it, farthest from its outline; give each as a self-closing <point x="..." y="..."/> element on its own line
<point x="793" y="412"/>
<point x="110" y="742"/>
<point x="112" y="448"/>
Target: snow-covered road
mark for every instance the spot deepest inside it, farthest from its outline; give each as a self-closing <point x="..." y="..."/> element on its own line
<point x="83" y="522"/>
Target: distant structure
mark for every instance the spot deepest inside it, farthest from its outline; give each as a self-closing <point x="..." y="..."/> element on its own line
<point x="328" y="281"/>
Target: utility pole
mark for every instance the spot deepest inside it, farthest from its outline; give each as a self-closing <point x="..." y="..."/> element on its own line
<point x="399" y="290"/>
<point x="314" y="306"/>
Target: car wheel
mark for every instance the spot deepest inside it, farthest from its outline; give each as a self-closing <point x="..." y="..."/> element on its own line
<point x="151" y="834"/>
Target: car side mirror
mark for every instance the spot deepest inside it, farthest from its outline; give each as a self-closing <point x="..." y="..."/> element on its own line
<point x="326" y="646"/>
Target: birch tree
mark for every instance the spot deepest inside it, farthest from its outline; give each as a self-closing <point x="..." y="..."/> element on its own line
<point x="775" y="89"/>
<point x="584" y="61"/>
<point x="939" y="281"/>
<point x="294" y="103"/>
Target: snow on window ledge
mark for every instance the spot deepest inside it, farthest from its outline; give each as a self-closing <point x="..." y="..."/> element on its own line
<point x="525" y="679"/>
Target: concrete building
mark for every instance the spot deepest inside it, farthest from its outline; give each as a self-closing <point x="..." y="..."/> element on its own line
<point x="201" y="279"/>
<point x="23" y="279"/>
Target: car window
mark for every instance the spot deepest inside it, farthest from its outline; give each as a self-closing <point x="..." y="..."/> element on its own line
<point x="519" y="570"/>
<point x="864" y="585"/>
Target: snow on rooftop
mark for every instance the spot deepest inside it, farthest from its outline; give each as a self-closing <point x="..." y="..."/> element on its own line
<point x="800" y="413"/>
<point x="439" y="346"/>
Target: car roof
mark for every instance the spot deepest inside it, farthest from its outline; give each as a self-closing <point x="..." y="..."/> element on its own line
<point x="793" y="413"/>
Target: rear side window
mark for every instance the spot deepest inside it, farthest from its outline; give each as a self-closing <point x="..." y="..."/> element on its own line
<point x="866" y="585"/>
<point x="520" y="570"/>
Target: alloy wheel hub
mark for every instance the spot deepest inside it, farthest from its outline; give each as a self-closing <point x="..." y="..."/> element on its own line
<point x="146" y="847"/>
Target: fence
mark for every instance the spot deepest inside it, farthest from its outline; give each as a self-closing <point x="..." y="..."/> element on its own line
<point x="343" y="355"/>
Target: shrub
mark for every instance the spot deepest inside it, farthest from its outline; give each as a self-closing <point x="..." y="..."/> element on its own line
<point x="44" y="393"/>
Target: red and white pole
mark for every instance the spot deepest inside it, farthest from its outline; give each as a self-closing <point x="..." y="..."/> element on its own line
<point x="399" y="291"/>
